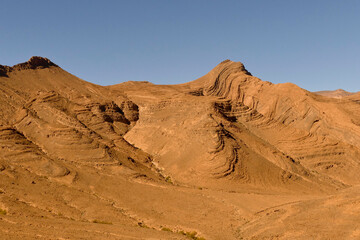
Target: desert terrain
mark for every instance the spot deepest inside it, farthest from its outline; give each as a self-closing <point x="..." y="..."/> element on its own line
<point x="225" y="156"/>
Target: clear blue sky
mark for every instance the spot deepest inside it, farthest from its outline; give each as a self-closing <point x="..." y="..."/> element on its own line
<point x="314" y="44"/>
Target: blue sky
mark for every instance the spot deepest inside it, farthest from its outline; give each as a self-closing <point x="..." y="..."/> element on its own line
<point x="314" y="44"/>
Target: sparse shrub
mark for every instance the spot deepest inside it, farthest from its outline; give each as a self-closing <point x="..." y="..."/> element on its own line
<point x="166" y="229"/>
<point x="141" y="224"/>
<point x="168" y="179"/>
<point x="3" y="212"/>
<point x="191" y="235"/>
<point x="101" y="222"/>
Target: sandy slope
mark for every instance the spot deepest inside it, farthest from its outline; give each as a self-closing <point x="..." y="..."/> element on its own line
<point x="227" y="156"/>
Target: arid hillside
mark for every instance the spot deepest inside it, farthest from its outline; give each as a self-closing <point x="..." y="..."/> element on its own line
<point x="226" y="156"/>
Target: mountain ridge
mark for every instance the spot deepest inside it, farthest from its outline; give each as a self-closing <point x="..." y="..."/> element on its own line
<point x="227" y="155"/>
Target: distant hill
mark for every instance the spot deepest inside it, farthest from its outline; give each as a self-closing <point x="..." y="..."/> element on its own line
<point x="339" y="93"/>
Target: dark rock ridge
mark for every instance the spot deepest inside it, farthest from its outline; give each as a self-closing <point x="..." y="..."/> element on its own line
<point x="33" y="63"/>
<point x="3" y="71"/>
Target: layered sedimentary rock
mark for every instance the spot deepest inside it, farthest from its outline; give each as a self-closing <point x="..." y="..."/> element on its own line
<point x="228" y="156"/>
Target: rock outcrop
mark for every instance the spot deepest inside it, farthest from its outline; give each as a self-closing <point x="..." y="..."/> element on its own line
<point x="33" y="63"/>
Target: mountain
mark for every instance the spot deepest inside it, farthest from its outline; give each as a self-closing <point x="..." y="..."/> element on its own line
<point x="226" y="156"/>
<point x="339" y="93"/>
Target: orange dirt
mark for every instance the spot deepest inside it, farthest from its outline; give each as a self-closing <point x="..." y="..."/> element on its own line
<point x="227" y="156"/>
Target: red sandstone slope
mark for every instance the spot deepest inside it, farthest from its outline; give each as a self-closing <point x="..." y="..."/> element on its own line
<point x="67" y="118"/>
<point x="59" y="138"/>
<point x="231" y="124"/>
